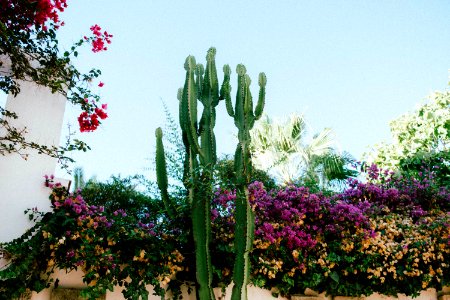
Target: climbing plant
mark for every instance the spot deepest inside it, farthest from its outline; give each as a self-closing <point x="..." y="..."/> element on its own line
<point x="29" y="51"/>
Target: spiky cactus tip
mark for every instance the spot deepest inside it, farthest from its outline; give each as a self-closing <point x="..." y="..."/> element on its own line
<point x="161" y="173"/>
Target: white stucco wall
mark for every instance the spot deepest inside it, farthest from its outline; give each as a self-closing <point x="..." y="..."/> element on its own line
<point x="21" y="181"/>
<point x="73" y="279"/>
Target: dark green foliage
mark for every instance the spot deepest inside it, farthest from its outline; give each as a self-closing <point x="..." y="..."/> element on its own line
<point x="119" y="193"/>
<point x="420" y="163"/>
<point x="225" y="175"/>
<point x="28" y="275"/>
<point x="333" y="167"/>
<point x="329" y="173"/>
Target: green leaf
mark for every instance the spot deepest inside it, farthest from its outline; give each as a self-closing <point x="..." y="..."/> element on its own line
<point x="335" y="276"/>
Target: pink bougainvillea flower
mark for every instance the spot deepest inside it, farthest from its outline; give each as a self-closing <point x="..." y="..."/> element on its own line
<point x="89" y="122"/>
<point x="101" y="113"/>
<point x="99" y="39"/>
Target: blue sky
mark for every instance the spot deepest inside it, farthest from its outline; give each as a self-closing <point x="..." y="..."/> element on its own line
<point x="349" y="65"/>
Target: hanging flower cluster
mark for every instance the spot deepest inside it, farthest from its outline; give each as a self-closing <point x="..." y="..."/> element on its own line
<point x="90" y="121"/>
<point x="30" y="24"/>
<point x="99" y="39"/>
<point x="24" y="14"/>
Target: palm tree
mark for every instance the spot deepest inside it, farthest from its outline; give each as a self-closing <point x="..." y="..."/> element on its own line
<point x="279" y="148"/>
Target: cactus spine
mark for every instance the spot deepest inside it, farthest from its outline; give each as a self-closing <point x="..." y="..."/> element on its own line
<point x="244" y="119"/>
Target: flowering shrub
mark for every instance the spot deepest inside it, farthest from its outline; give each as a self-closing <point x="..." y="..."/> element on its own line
<point x="401" y="194"/>
<point x="422" y="163"/>
<point x="110" y="247"/>
<point x="371" y="238"/>
<point x="291" y="225"/>
<point x="385" y="236"/>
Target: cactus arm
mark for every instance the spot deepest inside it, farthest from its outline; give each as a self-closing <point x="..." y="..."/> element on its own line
<point x="188" y="114"/>
<point x="210" y="87"/>
<point x="226" y="82"/>
<point x="212" y="137"/>
<point x="211" y="78"/>
<point x="199" y="71"/>
<point x="225" y="90"/>
<point x="180" y="98"/>
<point x="240" y="98"/>
<point x="161" y="173"/>
<point x="262" y="96"/>
<point x="210" y="99"/>
<point x="248" y="102"/>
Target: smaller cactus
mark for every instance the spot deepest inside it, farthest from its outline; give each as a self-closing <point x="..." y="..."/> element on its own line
<point x="244" y="119"/>
<point x="161" y="174"/>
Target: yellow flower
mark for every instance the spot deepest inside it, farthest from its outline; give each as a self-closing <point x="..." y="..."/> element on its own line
<point x="321" y="262"/>
<point x="51" y="262"/>
<point x="93" y="282"/>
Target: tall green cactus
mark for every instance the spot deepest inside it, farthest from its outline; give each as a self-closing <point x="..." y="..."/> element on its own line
<point x="244" y="119"/>
<point x="201" y="84"/>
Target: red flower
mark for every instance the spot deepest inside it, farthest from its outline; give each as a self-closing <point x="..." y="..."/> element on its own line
<point x="90" y="122"/>
<point x="39" y="13"/>
<point x="101" y="84"/>
<point x="101" y="113"/>
<point x="98" y="42"/>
